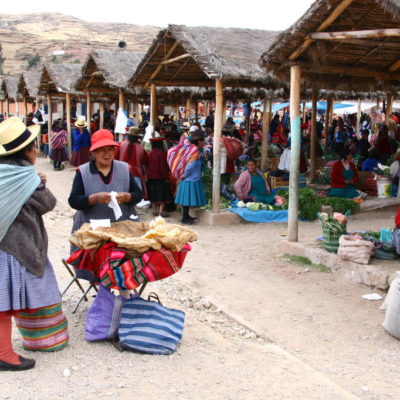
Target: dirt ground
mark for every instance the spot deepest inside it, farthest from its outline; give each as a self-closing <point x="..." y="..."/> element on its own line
<point x="314" y="336"/>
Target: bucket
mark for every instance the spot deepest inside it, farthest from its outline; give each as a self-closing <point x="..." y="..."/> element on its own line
<point x="384" y="187"/>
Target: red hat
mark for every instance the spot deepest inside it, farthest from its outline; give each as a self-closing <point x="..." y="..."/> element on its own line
<point x="158" y="139"/>
<point x="102" y="138"/>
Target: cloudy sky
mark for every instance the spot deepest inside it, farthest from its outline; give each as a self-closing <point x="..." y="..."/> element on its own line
<point x="256" y="14"/>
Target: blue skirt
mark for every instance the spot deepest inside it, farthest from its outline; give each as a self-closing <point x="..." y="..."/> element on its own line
<point x="190" y="194"/>
<point x="20" y="290"/>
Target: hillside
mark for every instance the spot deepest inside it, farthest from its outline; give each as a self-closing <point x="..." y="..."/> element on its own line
<point x="25" y="35"/>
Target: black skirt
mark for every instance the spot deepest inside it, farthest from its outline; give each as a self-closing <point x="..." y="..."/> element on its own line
<point x="58" y="155"/>
<point x="159" y="190"/>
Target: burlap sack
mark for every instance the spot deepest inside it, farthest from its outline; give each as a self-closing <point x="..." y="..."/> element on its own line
<point x="355" y="250"/>
<point x="136" y="237"/>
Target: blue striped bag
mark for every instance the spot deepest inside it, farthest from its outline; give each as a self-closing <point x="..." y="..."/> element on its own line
<point x="149" y="327"/>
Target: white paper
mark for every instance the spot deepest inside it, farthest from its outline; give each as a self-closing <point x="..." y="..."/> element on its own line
<point x="143" y="204"/>
<point x="372" y="296"/>
<point x="100" y="223"/>
<point x="115" y="206"/>
<point x="133" y="216"/>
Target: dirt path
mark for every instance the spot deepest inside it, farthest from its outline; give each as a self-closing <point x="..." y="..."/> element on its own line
<point x="327" y="341"/>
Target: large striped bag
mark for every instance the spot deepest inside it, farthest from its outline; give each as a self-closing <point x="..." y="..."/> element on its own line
<point x="179" y="156"/>
<point x="234" y="147"/>
<point x="149" y="327"/>
<point x="44" y="329"/>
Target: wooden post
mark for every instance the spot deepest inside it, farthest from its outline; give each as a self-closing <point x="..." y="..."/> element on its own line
<point x="313" y="142"/>
<point x="137" y="114"/>
<point x="1" y="106"/>
<point x="121" y="99"/>
<point x="358" y="123"/>
<point x="295" y="82"/>
<point x="101" y="115"/>
<point x="68" y="121"/>
<point x="153" y="104"/>
<point x="49" y="115"/>
<point x="304" y="112"/>
<point x="25" y="110"/>
<point x="177" y="114"/>
<point x="188" y="109"/>
<point x="327" y="120"/>
<point x="223" y="116"/>
<point x="8" y="108"/>
<point x="378" y="104"/>
<point x="265" y="133"/>
<point x="196" y="111"/>
<point x="88" y="110"/>
<point x="219" y="101"/>
<point x="389" y="106"/>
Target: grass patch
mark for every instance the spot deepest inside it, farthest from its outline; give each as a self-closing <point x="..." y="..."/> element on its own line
<point x="305" y="262"/>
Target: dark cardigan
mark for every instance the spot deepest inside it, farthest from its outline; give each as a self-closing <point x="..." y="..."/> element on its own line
<point x="26" y="239"/>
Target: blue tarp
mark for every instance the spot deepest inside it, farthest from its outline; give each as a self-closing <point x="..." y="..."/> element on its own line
<point x="261" y="215"/>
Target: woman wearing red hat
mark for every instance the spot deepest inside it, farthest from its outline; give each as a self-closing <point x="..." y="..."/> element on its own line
<point x="95" y="180"/>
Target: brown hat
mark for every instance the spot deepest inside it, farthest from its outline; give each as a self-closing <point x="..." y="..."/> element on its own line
<point x="196" y="135"/>
<point x="134" y="131"/>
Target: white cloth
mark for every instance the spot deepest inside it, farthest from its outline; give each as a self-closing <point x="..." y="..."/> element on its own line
<point x="284" y="161"/>
<point x="121" y="121"/>
<point x="115" y="206"/>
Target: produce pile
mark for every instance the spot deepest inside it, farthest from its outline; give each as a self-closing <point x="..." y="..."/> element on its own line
<point x="256" y="206"/>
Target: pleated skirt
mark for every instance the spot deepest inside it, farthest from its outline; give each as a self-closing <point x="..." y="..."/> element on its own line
<point x="190" y="194"/>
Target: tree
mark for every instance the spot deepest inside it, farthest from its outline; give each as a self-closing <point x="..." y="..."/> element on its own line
<point x="33" y="61"/>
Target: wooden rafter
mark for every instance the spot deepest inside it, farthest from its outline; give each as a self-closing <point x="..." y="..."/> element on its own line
<point x="345" y="70"/>
<point x="175" y="59"/>
<point x="395" y="66"/>
<point x="328" y="21"/>
<point x="158" y="69"/>
<point x="364" y="34"/>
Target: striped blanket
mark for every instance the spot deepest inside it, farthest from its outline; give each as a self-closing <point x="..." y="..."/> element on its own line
<point x="234" y="147"/>
<point x="179" y="156"/>
<point x="45" y="329"/>
<point x="58" y="139"/>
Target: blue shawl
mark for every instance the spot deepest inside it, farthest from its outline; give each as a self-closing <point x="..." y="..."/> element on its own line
<point x="17" y="185"/>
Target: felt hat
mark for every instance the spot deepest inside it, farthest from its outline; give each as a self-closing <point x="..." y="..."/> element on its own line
<point x="14" y="135"/>
<point x="80" y="123"/>
<point x="134" y="131"/>
<point x="102" y="138"/>
<point x="196" y="135"/>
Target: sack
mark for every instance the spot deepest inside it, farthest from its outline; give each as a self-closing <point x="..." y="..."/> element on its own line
<point x="102" y="318"/>
<point x="149" y="327"/>
<point x="392" y="289"/>
<point x="234" y="147"/>
<point x="44" y="329"/>
<point x="179" y="156"/>
<point x="58" y="140"/>
<point x="355" y="250"/>
<point x="392" y="319"/>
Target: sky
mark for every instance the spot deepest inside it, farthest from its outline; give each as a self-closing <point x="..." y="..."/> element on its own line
<point x="255" y="14"/>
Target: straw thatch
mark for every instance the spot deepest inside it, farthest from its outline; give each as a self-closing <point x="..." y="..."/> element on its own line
<point x="105" y="69"/>
<point x="351" y="64"/>
<point x="28" y="84"/>
<point x="9" y="87"/>
<point x="58" y="79"/>
<point x="229" y="54"/>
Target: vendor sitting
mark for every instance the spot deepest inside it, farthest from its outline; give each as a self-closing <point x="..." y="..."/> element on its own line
<point x="252" y="186"/>
<point x="344" y="175"/>
<point x="371" y="161"/>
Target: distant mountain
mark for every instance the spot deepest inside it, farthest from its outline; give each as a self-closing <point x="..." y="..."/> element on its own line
<point x="60" y="38"/>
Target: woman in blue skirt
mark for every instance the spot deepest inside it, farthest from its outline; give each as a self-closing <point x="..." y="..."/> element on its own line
<point x="190" y="189"/>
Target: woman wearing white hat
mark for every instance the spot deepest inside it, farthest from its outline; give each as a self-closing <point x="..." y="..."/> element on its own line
<point x="27" y="280"/>
<point x="81" y="144"/>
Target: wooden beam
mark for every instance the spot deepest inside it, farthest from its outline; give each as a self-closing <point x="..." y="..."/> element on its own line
<point x="358" y="122"/>
<point x="219" y="101"/>
<point x="49" y="118"/>
<point x="389" y="106"/>
<point x="327" y="120"/>
<point x="88" y="110"/>
<point x="267" y="105"/>
<point x="101" y="115"/>
<point x="153" y="105"/>
<point x="175" y="59"/>
<point x="395" y="66"/>
<point x="68" y="121"/>
<point x="347" y="70"/>
<point x="295" y="82"/>
<point x="313" y="142"/>
<point x="328" y="21"/>
<point x="158" y="69"/>
<point x="364" y="34"/>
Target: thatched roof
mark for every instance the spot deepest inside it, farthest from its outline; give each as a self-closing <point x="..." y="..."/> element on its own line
<point x="9" y="87"/>
<point x="105" y="69"/>
<point x="28" y="84"/>
<point x="340" y="64"/>
<point x="59" y="79"/>
<point x="205" y="54"/>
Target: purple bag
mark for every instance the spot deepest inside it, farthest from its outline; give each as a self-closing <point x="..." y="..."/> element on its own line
<point x="103" y="316"/>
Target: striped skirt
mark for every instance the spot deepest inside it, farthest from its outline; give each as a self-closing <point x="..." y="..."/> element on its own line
<point x="45" y="329"/>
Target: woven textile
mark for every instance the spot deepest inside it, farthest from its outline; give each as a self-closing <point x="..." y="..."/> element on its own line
<point x="45" y="329"/>
<point x="180" y="156"/>
<point x="234" y="147"/>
